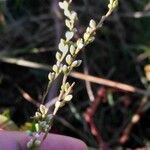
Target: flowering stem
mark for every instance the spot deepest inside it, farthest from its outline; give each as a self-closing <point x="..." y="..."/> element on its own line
<point x="66" y="61"/>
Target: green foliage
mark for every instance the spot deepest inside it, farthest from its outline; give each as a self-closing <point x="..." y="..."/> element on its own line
<point x="7" y="124"/>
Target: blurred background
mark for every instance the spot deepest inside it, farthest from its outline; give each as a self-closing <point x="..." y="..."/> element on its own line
<point x="104" y="114"/>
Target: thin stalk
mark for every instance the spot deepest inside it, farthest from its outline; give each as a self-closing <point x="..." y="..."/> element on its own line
<point x="46" y="92"/>
<point x="56" y="108"/>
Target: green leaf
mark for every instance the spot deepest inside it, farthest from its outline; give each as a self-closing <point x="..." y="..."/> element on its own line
<point x="7" y="124"/>
<point x="110" y="98"/>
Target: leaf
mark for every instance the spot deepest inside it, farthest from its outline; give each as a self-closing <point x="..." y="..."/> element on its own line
<point x="110" y="98"/>
<point x="7" y="124"/>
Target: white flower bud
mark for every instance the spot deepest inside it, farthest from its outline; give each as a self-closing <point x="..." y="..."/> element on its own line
<point x="92" y="24"/>
<point x="73" y="16"/>
<point x="91" y="39"/>
<point x="68" y="98"/>
<point x="67" y="13"/>
<point x="63" y="48"/>
<point x="88" y="30"/>
<point x="58" y="56"/>
<point x="37" y="115"/>
<point x="80" y="43"/>
<point x="72" y="50"/>
<point x="68" y="24"/>
<point x="86" y="36"/>
<point x="112" y="4"/>
<point x="43" y="109"/>
<point x="63" y="5"/>
<point x="111" y="1"/>
<point x="67" y="85"/>
<point x="76" y="63"/>
<point x="56" y="68"/>
<point x="65" y="69"/>
<point x="69" y="59"/>
<point x="115" y="4"/>
<point x="69" y="35"/>
<point x="51" y="76"/>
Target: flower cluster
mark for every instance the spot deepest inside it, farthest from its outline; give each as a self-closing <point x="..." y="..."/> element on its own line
<point x="66" y="60"/>
<point x="34" y="143"/>
<point x="71" y="15"/>
<point x="43" y="121"/>
<point x="112" y="4"/>
<point x="64" y="44"/>
<point x="65" y="96"/>
<point x="70" y="49"/>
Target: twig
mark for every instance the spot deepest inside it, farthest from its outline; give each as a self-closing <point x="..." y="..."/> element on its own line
<point x="134" y="120"/>
<point x="87" y="83"/>
<point x="27" y="97"/>
<point x="110" y="83"/>
<point x="78" y="75"/>
<point x="89" y="114"/>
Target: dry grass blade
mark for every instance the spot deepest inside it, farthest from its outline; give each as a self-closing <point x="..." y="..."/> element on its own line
<point x="81" y="76"/>
<point x="117" y="85"/>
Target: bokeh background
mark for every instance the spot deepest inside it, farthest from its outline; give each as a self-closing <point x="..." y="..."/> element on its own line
<point x="102" y="116"/>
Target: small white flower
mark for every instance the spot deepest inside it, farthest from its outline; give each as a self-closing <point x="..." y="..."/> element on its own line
<point x="67" y="85"/>
<point x="51" y="76"/>
<point x="63" y="5"/>
<point x="69" y="35"/>
<point x="56" y="68"/>
<point x="69" y="59"/>
<point x="88" y="30"/>
<point x="76" y="63"/>
<point x="43" y="109"/>
<point x="63" y="48"/>
<point x="79" y="63"/>
<point x="58" y="56"/>
<point x="67" y="13"/>
<point x="80" y="43"/>
<point x="68" y="24"/>
<point x="72" y="50"/>
<point x="37" y="114"/>
<point x="68" y="98"/>
<point x="65" y="69"/>
<point x="73" y="16"/>
<point x="92" y="24"/>
<point x="86" y="36"/>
